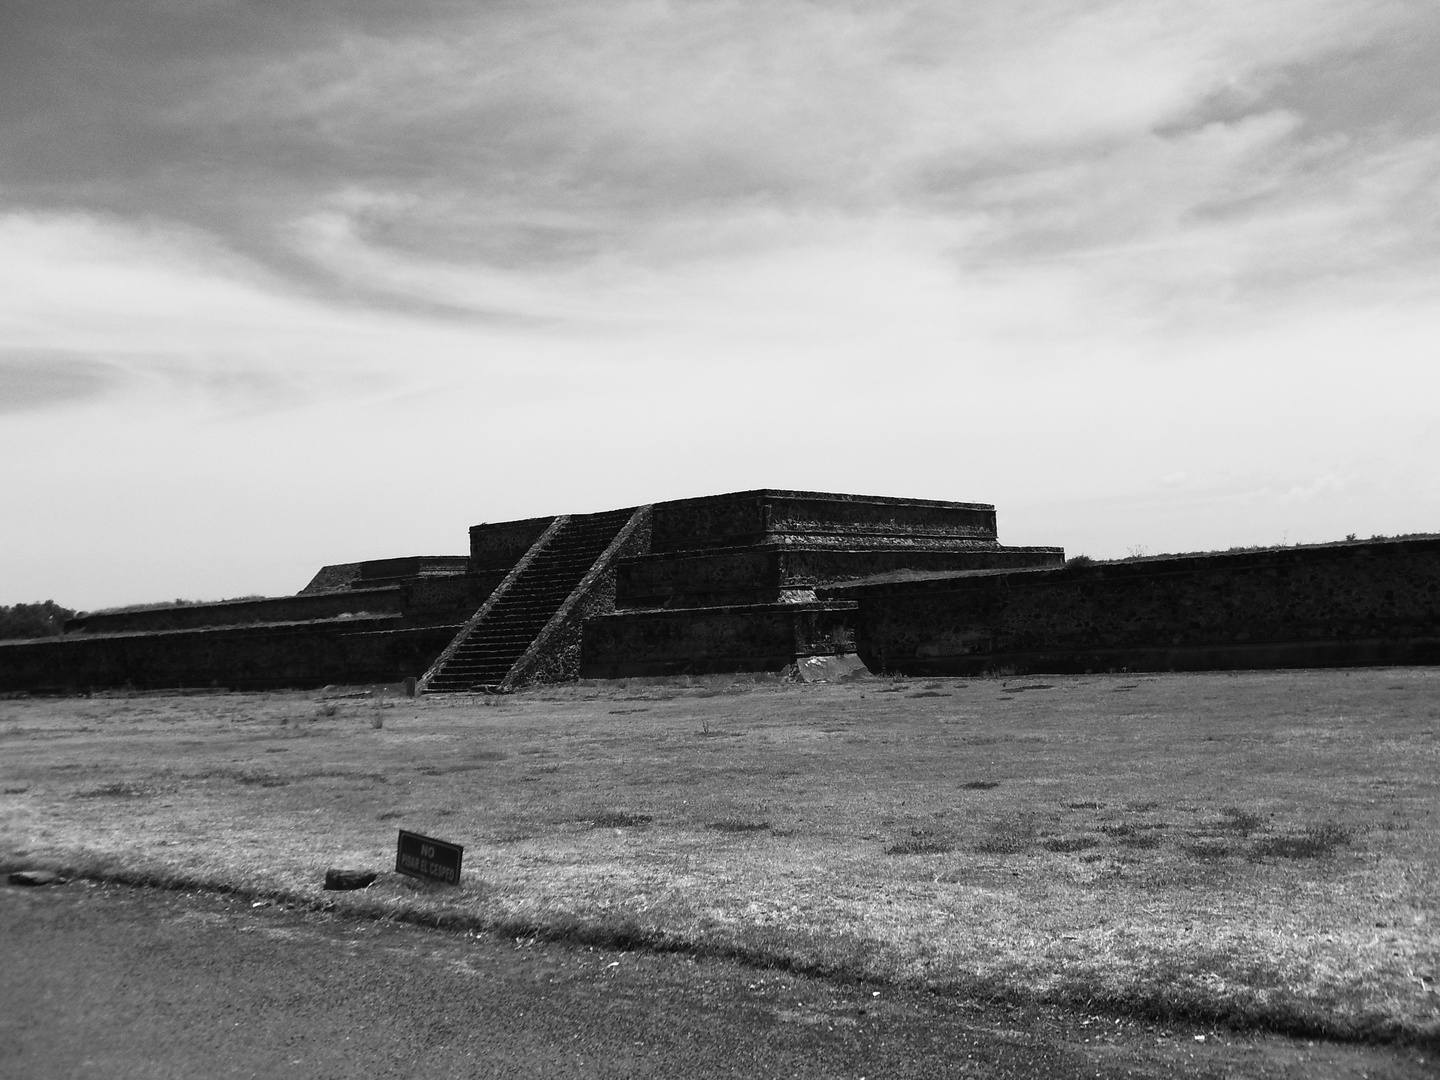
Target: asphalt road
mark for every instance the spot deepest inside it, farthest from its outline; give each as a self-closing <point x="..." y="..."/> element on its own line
<point x="107" y="981"/>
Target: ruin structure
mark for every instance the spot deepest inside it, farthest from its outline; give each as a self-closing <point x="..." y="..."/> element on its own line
<point x="756" y="581"/>
<point x="721" y="583"/>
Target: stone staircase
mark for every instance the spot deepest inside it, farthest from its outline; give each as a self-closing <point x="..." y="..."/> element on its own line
<point x="488" y="652"/>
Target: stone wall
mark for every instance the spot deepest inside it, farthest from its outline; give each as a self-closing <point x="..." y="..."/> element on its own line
<point x="376" y="572"/>
<point x="762" y="637"/>
<point x="746" y="518"/>
<point x="385" y="601"/>
<point x="422" y="601"/>
<point x="359" y="650"/>
<point x="776" y="573"/>
<point x="411" y="566"/>
<point x="862" y="516"/>
<point x="499" y="545"/>
<point x="1349" y="603"/>
<point x="333" y="578"/>
<point x="426" y="601"/>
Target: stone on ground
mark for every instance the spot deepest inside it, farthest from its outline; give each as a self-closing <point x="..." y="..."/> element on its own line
<point x="349" y="879"/>
<point x="35" y="877"/>
<point x="815" y="669"/>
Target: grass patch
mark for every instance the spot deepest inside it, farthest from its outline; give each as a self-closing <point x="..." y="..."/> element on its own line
<point x="709" y="731"/>
<point x="1134" y="834"/>
<point x="1141" y="840"/>
<point x="921" y="842"/>
<point x="1241" y="907"/>
<point x="117" y="790"/>
<point x="617" y="819"/>
<point x="1003" y="845"/>
<point x="475" y="759"/>
<point x="1314" y="842"/>
<point x="1241" y="821"/>
<point x="1008" y="838"/>
<point x="1210" y="849"/>
<point x="246" y="777"/>
<point x="737" y="825"/>
<point x="1069" y="843"/>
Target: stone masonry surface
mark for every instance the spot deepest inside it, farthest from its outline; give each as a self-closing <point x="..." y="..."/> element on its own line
<point x="1361" y="602"/>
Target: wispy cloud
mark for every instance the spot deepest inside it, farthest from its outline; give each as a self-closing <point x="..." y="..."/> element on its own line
<point x="39" y="379"/>
<point x="523" y="136"/>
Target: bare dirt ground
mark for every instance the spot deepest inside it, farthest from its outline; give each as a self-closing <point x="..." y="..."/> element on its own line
<point x="1251" y="850"/>
<point x="110" y="981"/>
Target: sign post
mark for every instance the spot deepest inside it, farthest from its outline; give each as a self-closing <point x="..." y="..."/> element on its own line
<point x="429" y="859"/>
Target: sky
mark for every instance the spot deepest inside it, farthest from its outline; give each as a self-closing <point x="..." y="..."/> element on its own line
<point x="294" y="282"/>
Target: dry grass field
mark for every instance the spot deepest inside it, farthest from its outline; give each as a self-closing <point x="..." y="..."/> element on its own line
<point x="1253" y="848"/>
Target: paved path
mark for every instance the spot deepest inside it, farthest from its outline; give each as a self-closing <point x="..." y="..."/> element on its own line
<point x="113" y="982"/>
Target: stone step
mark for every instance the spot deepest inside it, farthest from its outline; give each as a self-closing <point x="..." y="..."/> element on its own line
<point x="511" y="626"/>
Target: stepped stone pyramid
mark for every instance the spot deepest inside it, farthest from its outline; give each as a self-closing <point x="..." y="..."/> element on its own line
<point x="756" y="581"/>
<point x="721" y="583"/>
<point x="729" y="582"/>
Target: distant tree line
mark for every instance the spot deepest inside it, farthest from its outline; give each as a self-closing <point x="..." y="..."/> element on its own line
<point x="33" y="620"/>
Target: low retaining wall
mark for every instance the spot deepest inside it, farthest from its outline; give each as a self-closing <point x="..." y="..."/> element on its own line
<point x="392" y="571"/>
<point x="762" y="575"/>
<point x="359" y="650"/>
<point x="384" y="601"/>
<point x="696" y="641"/>
<point x="1374" y="602"/>
<point x="422" y="601"/>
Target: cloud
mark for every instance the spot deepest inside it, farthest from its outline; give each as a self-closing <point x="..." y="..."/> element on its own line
<point x="100" y="306"/>
<point x="543" y="136"/>
<point x="1119" y="166"/>
<point x="40" y="379"/>
<point x="34" y="380"/>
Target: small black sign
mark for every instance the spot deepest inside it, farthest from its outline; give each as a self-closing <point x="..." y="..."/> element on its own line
<point x="428" y="858"/>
